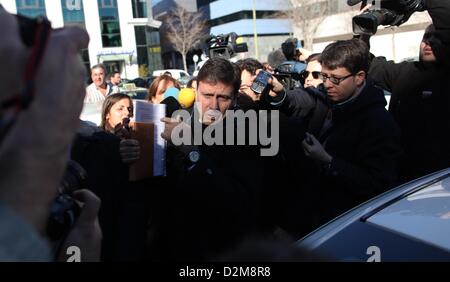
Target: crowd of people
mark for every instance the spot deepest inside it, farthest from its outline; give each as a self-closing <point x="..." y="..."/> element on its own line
<point x="338" y="147"/>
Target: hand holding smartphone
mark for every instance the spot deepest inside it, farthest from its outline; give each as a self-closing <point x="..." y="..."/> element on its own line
<point x="261" y="81"/>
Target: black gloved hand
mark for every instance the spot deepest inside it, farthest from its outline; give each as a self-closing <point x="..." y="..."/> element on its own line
<point x="404" y="5"/>
<point x="353" y="2"/>
<point x="411" y="5"/>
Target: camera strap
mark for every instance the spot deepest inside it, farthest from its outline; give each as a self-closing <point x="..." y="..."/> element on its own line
<point x="11" y="108"/>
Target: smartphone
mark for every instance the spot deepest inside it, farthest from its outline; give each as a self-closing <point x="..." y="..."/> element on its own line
<point x="260" y="82"/>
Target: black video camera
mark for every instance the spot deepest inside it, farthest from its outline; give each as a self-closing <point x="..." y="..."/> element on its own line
<point x="289" y="71"/>
<point x="390" y="12"/>
<point x="225" y="46"/>
<point x="65" y="210"/>
<point x="288" y="74"/>
<point x="290" y="80"/>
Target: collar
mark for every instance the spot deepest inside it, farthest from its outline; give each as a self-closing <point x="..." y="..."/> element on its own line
<point x="351" y="98"/>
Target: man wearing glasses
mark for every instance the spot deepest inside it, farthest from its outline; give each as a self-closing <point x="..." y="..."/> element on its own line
<point x="353" y="155"/>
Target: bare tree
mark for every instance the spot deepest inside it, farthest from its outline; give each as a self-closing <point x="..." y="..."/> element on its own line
<point x="184" y="30"/>
<point x="307" y="15"/>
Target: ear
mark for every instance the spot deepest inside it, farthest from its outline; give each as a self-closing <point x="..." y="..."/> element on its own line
<point x="360" y="78"/>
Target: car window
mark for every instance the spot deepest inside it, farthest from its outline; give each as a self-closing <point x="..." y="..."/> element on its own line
<point x="366" y="242"/>
<point x="424" y="215"/>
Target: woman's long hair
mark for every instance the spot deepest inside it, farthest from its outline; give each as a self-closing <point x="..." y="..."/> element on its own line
<point x="154" y="86"/>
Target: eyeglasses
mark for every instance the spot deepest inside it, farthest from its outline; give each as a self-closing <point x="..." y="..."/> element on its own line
<point x="315" y="74"/>
<point x="335" y="80"/>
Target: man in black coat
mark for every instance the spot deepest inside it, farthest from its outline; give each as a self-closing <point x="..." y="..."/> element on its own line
<point x="213" y="200"/>
<point x="353" y="156"/>
<point x="420" y="97"/>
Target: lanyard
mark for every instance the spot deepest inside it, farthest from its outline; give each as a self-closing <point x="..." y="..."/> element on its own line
<point x="11" y="108"/>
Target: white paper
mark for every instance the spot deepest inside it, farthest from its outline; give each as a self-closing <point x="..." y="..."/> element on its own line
<point x="147" y="112"/>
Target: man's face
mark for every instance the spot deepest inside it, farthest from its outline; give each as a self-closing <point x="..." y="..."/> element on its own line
<point x="98" y="77"/>
<point x="426" y="52"/>
<point x="346" y="85"/>
<point x="115" y="79"/>
<point x="214" y="100"/>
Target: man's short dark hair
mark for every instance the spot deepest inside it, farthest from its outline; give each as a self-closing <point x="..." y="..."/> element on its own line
<point x="220" y="70"/>
<point x="351" y="54"/>
<point x="276" y="58"/>
<point x="250" y="65"/>
<point x="289" y="49"/>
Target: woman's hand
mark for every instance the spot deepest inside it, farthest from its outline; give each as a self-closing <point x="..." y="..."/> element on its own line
<point x="130" y="150"/>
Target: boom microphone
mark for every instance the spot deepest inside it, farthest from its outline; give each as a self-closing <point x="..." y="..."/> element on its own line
<point x="186" y="97"/>
<point x="172" y="92"/>
<point x="172" y="105"/>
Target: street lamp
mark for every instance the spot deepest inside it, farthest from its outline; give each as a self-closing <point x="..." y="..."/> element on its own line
<point x="255" y="33"/>
<point x="195" y="59"/>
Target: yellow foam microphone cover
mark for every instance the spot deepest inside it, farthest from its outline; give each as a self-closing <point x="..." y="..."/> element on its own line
<point x="186" y="97"/>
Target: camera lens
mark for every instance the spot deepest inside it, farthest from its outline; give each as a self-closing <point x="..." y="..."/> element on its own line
<point x="75" y="178"/>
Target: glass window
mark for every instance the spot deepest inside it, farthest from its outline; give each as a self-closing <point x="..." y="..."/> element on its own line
<point x="31" y="8"/>
<point x="73" y="12"/>
<point x="148" y="49"/>
<point x="424" y="215"/>
<point x="111" y="40"/>
<point x="109" y="22"/>
<point x="84" y="53"/>
<point x="140" y="35"/>
<point x="139" y="8"/>
<point x="244" y="15"/>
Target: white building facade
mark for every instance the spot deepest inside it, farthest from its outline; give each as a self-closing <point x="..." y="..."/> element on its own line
<point x="122" y="36"/>
<point x="394" y="43"/>
<point x="227" y="16"/>
<point x="237" y="16"/>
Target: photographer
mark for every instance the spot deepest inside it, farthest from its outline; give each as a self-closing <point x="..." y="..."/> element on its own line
<point x="34" y="141"/>
<point x="353" y="154"/>
<point x="292" y="54"/>
<point x="420" y="99"/>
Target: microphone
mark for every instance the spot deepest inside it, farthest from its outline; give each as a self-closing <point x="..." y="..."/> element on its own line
<point x="186" y="97"/>
<point x="172" y="105"/>
<point x="353" y="2"/>
<point x="172" y="92"/>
